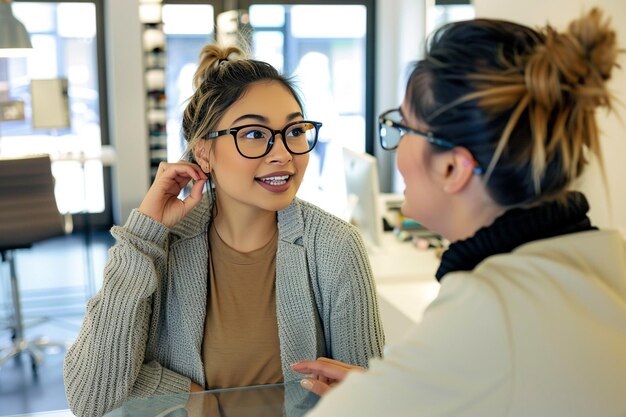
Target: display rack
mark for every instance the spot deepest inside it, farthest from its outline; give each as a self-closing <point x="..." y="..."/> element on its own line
<point x="150" y="15"/>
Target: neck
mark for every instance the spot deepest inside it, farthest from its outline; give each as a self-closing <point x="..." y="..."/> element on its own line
<point x="472" y="210"/>
<point x="244" y="229"/>
<point x="516" y="227"/>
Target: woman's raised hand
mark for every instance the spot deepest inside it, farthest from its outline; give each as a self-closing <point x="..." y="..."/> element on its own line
<point x="323" y="374"/>
<point x="162" y="203"/>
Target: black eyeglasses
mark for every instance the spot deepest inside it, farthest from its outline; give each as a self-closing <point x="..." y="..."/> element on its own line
<point x="256" y="141"/>
<point x="390" y="131"/>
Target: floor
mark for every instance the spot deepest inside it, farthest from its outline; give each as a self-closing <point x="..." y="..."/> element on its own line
<point x="56" y="278"/>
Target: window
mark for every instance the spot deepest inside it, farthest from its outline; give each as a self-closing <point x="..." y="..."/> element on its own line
<point x="64" y="42"/>
<point x="448" y="11"/>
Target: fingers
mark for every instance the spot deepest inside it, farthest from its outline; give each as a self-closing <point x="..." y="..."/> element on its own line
<point x="341" y="364"/>
<point x="323" y="373"/>
<point x="161" y="202"/>
<point x="180" y="169"/>
<point x="329" y="368"/>
<point x="173" y="177"/>
<point x="195" y="196"/>
<point x="315" y="386"/>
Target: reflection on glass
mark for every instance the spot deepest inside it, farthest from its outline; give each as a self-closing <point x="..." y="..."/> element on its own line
<point x="280" y="400"/>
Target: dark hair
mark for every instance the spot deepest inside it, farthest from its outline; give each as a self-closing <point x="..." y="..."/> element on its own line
<point x="222" y="77"/>
<point x="521" y="101"/>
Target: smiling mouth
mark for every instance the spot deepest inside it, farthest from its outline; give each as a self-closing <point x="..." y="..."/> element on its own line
<point x="276" y="180"/>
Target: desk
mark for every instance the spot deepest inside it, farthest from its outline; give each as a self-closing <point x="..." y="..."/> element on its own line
<point x="405" y="284"/>
<point x="289" y="400"/>
<point x="395" y="261"/>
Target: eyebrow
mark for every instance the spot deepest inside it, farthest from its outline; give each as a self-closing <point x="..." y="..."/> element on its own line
<point x="264" y="119"/>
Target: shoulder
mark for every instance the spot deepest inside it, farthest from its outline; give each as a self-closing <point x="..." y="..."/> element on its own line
<point x="540" y="272"/>
<point x="577" y="253"/>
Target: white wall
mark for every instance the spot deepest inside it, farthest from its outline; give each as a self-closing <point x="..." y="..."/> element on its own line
<point x="400" y="28"/>
<point x="127" y="107"/>
<point x="605" y="211"/>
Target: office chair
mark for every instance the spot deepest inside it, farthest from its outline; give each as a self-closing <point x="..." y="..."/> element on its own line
<point x="28" y="214"/>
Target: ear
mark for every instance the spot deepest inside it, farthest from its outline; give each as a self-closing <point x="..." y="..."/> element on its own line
<point x="202" y="155"/>
<point x="459" y="170"/>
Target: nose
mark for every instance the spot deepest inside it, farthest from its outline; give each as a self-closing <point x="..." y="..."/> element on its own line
<point x="279" y="153"/>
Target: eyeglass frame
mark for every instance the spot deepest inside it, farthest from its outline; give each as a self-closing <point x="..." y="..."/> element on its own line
<point x="270" y="143"/>
<point x="384" y="122"/>
<point x="404" y="129"/>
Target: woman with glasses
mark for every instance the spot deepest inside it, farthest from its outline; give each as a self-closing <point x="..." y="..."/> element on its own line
<point x="230" y="287"/>
<point x="496" y="124"/>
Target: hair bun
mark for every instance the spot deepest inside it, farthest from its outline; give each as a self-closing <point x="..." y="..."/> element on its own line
<point x="211" y="57"/>
<point x="597" y="41"/>
<point x="576" y="63"/>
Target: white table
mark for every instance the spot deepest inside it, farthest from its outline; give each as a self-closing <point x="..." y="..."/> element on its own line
<point x="405" y="283"/>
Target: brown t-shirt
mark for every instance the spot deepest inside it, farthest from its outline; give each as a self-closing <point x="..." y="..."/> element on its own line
<point x="240" y="345"/>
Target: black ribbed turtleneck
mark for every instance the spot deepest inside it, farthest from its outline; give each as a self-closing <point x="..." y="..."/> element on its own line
<point x="516" y="227"/>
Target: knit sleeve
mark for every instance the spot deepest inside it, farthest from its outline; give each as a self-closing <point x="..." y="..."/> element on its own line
<point x="354" y="326"/>
<point x="104" y="366"/>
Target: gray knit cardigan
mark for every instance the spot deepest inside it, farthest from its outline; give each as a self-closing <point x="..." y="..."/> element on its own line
<point x="142" y="332"/>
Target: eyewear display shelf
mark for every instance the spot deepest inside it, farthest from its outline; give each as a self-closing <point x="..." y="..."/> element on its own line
<point x="150" y="14"/>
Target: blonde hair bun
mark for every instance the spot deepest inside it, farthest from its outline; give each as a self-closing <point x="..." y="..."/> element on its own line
<point x="211" y="56"/>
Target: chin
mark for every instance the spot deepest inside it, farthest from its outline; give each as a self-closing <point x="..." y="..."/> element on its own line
<point x="407" y="211"/>
<point x="277" y="207"/>
<point x="278" y="203"/>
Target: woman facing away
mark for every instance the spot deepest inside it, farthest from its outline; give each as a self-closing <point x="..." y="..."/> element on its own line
<point x="230" y="287"/>
<point x="497" y="122"/>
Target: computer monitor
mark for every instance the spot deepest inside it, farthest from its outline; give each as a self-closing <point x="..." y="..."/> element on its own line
<point x="363" y="193"/>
